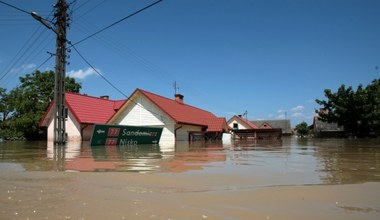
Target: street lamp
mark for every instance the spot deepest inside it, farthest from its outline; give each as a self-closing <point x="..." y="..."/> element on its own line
<point x="60" y="70"/>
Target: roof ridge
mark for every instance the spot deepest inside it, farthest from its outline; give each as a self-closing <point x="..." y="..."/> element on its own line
<point x="172" y="100"/>
<point x="95" y="97"/>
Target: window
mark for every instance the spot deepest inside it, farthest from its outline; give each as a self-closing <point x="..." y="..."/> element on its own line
<point x="236" y="126"/>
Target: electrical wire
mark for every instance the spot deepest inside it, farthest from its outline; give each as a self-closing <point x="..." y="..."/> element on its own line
<point x="17" y="8"/>
<point x="111" y="84"/>
<point x="28" y="50"/>
<point x="39" y="66"/>
<point x="82" y="14"/>
<point x="101" y="75"/>
<point x="113" y="24"/>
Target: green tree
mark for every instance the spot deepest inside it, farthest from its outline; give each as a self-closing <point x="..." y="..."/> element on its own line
<point x="302" y="129"/>
<point x="3" y="104"/>
<point x="357" y="111"/>
<point x="30" y="101"/>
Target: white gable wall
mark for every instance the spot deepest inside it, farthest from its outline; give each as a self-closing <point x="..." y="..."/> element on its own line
<point x="143" y="113"/>
<point x="72" y="129"/>
<point x="240" y="125"/>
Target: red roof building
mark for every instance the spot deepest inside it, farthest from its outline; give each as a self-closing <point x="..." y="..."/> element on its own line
<point x="178" y="119"/>
<point x="238" y="122"/>
<point x="83" y="112"/>
<point x="143" y="108"/>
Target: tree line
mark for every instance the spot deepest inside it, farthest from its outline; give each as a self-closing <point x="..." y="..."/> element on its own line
<point x="22" y="108"/>
<point x="358" y="111"/>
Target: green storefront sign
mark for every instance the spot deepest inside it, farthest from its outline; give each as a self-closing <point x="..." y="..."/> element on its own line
<point x="120" y="135"/>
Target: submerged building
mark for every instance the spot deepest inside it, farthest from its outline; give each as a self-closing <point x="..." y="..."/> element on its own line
<point x="180" y="121"/>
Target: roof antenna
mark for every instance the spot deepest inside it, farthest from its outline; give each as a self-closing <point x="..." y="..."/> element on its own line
<point x="246" y="115"/>
<point x="176" y="88"/>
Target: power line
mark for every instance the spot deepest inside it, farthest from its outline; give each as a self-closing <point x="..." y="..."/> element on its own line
<point x="17" y="8"/>
<point x="111" y="84"/>
<point x="113" y="24"/>
<point x="82" y="14"/>
<point x="101" y="75"/>
<point x="29" y="49"/>
<point x="39" y="66"/>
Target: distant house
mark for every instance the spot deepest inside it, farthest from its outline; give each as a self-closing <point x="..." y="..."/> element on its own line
<point x="237" y="122"/>
<point x="243" y="129"/>
<point x="83" y="112"/>
<point x="284" y="125"/>
<point x="326" y="129"/>
<point x="180" y="122"/>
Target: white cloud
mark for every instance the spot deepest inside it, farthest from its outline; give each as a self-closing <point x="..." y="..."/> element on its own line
<point x="81" y="74"/>
<point x="297" y="114"/>
<point x="23" y="68"/>
<point x="298" y="108"/>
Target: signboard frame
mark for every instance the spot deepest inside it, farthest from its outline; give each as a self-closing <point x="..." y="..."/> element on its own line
<point x="124" y="135"/>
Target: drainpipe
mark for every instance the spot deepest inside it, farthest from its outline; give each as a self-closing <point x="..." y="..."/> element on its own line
<point x="175" y="132"/>
<point x="81" y="131"/>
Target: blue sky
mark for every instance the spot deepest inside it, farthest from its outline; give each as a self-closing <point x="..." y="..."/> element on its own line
<point x="271" y="58"/>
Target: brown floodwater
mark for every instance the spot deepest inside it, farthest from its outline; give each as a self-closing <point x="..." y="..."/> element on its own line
<point x="287" y="179"/>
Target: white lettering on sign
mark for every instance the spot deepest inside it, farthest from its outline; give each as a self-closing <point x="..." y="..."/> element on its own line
<point x="127" y="142"/>
<point x="126" y="132"/>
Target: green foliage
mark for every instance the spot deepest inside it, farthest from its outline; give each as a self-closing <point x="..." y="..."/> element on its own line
<point x="302" y="129"/>
<point x="357" y="111"/>
<point x="23" y="107"/>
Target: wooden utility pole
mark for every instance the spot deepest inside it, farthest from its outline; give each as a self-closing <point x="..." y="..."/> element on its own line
<point x="60" y="74"/>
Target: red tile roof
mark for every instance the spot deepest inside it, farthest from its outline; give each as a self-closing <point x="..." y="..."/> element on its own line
<point x="186" y="114"/>
<point x="94" y="110"/>
<point x="216" y="124"/>
<point x="88" y="109"/>
<point x="243" y="121"/>
<point x="249" y="123"/>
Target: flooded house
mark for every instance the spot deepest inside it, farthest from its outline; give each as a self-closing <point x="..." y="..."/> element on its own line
<point x="180" y="121"/>
<point x="324" y="129"/>
<point x="83" y="112"/>
<point x="237" y="122"/>
<point x="283" y="124"/>
<point x="243" y="129"/>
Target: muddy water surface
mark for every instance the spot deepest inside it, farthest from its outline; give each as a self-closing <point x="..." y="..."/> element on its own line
<point x="288" y="179"/>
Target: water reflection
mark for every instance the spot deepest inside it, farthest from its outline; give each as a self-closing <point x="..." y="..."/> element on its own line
<point x="348" y="161"/>
<point x="84" y="158"/>
<point x="286" y="161"/>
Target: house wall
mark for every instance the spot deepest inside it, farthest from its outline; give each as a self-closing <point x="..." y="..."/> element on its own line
<point x="87" y="132"/>
<point x="241" y="126"/>
<point x="72" y="130"/>
<point x="144" y="113"/>
<point x="182" y="133"/>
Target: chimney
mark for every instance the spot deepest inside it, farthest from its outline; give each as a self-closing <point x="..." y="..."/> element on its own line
<point x="106" y="97"/>
<point x="179" y="98"/>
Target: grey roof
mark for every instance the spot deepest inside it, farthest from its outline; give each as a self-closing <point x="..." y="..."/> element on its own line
<point x="283" y="124"/>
